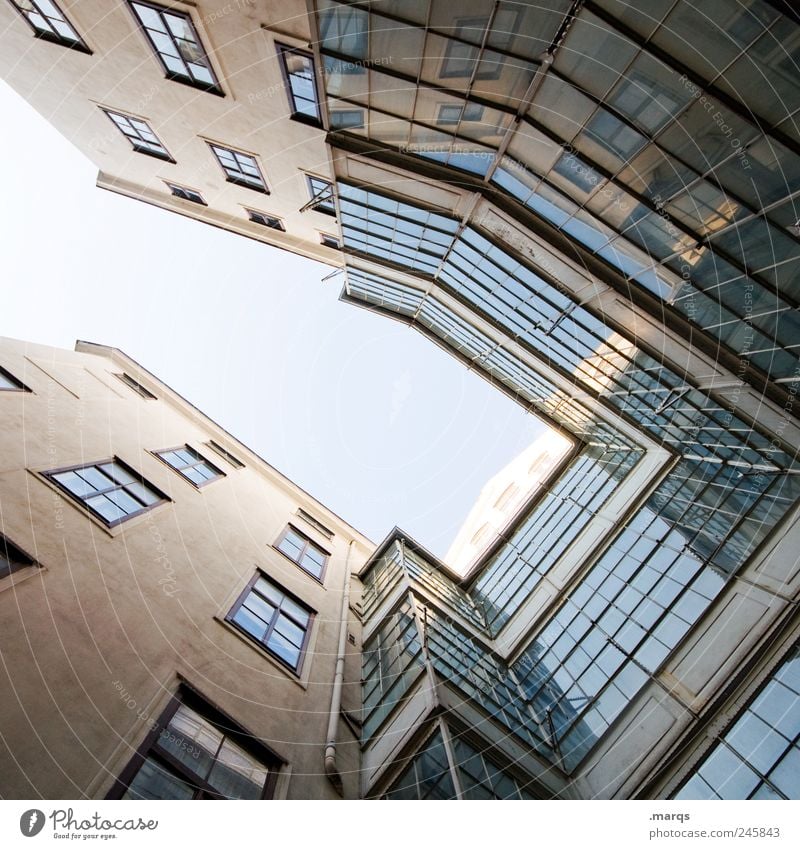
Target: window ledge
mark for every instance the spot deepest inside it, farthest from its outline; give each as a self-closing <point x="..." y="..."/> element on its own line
<point x="20" y="575"/>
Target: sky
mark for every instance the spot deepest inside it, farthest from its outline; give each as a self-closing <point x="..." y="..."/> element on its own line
<point x="366" y="414"/>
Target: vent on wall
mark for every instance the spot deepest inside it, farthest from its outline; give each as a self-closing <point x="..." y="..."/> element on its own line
<point x="137" y="387"/>
<point x="225" y="454"/>
<point x="309" y="519"/>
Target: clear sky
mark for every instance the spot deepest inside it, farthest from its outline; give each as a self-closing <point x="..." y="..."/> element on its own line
<point x="367" y="415"/>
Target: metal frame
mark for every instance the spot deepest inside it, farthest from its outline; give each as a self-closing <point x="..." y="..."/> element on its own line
<point x="212" y="88"/>
<point x="232" y="178"/>
<point x="308" y="542"/>
<point x="201" y="459"/>
<point x="74" y="44"/>
<point x="19" y="385"/>
<point x="282" y="50"/>
<point x="186" y="695"/>
<point x="166" y="156"/>
<point x="260" y="573"/>
<point x="50" y="476"/>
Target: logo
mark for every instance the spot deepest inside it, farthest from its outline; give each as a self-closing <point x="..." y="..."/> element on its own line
<point x="31" y="822"/>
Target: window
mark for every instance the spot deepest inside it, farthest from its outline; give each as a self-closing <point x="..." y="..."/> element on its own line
<point x="240" y="168"/>
<point x="298" y="73"/>
<point x="191" y="465"/>
<point x="329" y="241"/>
<point x="451" y="114"/>
<point x="225" y="454"/>
<point x="298" y="547"/>
<point x="197" y="752"/>
<point x="321" y="192"/>
<point x="12" y="558"/>
<point x="49" y="23"/>
<point x="137" y="387"/>
<point x="344" y="29"/>
<point x="139" y="134"/>
<point x="109" y="489"/>
<point x="346" y="119"/>
<point x="266" y="220"/>
<point x="274" y="619"/>
<point x="174" y="39"/>
<point x="10" y="383"/>
<point x="186" y="194"/>
<point x="315" y="523"/>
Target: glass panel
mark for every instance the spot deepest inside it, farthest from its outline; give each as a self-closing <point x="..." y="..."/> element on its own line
<point x="237" y="775"/>
<point x="192" y="740"/>
<point x="152" y="781"/>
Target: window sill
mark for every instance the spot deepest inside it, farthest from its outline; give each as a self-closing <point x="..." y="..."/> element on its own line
<point x="210" y="89"/>
<point x="160" y="156"/>
<point x="20" y="575"/>
<point x="263" y="190"/>
<point x="63" y="42"/>
<point x="307" y="120"/>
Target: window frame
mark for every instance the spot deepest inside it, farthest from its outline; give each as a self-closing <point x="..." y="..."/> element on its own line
<point x="211" y="88"/>
<point x="175" y="189"/>
<point x="279" y="226"/>
<point x="201" y="459"/>
<point x="50" y="474"/>
<point x="73" y="44"/>
<point x="226" y="455"/>
<point x="19" y="386"/>
<point x="320" y="206"/>
<point x="166" y="156"/>
<point x="305" y="516"/>
<point x="239" y="181"/>
<point x="282" y="50"/>
<point x="192" y="699"/>
<point x="261" y="644"/>
<point x="327" y="240"/>
<point x="308" y="541"/>
<point x="133" y="384"/>
<point x="18" y="563"/>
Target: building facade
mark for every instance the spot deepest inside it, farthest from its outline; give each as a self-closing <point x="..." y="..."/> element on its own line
<point x="174" y="608"/>
<point x="594" y="205"/>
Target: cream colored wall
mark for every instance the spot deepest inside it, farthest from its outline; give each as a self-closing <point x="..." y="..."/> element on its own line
<point x="124" y="74"/>
<point x="135" y="606"/>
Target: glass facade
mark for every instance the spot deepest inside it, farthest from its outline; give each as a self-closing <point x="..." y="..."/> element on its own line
<point x="680" y="179"/>
<point x="430" y="776"/>
<point x="758" y="756"/>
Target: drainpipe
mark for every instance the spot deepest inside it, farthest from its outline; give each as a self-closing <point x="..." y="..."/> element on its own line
<point x="331" y="770"/>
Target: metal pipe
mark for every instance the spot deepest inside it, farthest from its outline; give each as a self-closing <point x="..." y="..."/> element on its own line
<point x="331" y="769"/>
